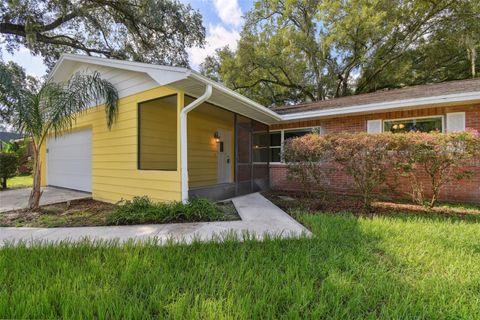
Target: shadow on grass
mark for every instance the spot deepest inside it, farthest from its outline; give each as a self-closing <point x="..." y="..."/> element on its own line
<point x="345" y="271"/>
<point x="433" y="216"/>
<point x="295" y="204"/>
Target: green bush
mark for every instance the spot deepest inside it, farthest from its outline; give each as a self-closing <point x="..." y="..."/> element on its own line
<point x="142" y="210"/>
<point x="8" y="167"/>
<point x="372" y="159"/>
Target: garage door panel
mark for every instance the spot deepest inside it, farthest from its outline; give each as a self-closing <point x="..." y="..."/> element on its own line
<point x="69" y="161"/>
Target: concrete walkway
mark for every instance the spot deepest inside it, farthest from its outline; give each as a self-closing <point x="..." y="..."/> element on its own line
<point x="259" y="216"/>
<point x="18" y="198"/>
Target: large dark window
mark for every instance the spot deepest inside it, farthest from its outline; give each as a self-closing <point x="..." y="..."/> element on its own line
<point x="157" y="134"/>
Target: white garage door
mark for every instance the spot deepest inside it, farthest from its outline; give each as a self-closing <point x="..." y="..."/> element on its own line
<point x="69" y="161"/>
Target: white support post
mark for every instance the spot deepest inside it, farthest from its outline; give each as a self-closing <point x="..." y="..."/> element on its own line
<point x="183" y="139"/>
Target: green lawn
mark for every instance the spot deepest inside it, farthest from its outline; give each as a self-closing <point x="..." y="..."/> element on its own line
<point x="20" y="182"/>
<point x="399" y="267"/>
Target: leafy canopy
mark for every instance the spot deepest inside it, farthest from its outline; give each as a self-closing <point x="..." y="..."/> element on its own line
<point x="13" y="82"/>
<point x="156" y="31"/>
<point x="293" y="51"/>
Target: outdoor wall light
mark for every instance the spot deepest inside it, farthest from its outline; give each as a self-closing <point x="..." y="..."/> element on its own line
<point x="216" y="136"/>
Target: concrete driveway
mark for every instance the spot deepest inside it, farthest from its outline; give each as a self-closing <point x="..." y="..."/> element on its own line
<point x="18" y="198"/>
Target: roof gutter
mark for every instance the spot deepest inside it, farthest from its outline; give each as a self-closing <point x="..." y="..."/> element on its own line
<point x="183" y="138"/>
<point x="436" y="100"/>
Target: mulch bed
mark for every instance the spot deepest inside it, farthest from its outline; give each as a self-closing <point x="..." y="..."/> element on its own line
<point x="292" y="201"/>
<point x="80" y="213"/>
<point x="75" y="213"/>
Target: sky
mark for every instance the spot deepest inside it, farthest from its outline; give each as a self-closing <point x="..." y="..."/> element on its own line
<point x="223" y="20"/>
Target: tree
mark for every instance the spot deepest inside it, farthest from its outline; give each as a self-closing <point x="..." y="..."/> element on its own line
<point x="307" y="50"/>
<point x="12" y="79"/>
<point x="52" y="110"/>
<point x="439" y="45"/>
<point x="156" y="31"/>
<point x="8" y="167"/>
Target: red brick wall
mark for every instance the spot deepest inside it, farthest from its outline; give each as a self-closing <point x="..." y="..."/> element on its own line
<point x="339" y="182"/>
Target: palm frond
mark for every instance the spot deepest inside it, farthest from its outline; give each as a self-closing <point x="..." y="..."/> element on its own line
<point x="62" y="103"/>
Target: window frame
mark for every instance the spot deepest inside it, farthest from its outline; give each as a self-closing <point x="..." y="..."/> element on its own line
<point x="268" y="148"/>
<point x="442" y="117"/>
<point x="139" y="130"/>
<point x="282" y="139"/>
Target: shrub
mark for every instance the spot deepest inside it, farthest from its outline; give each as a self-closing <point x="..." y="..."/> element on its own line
<point x="373" y="160"/>
<point x="304" y="157"/>
<point x="20" y="149"/>
<point x="442" y="157"/>
<point x="142" y="210"/>
<point x="8" y="167"/>
<point x="367" y="158"/>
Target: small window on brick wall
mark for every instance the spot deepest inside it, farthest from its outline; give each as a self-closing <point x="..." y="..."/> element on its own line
<point x="430" y="124"/>
<point x="275" y="146"/>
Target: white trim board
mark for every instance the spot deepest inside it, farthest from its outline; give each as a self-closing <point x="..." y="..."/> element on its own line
<point x="174" y="76"/>
<point x="386" y="106"/>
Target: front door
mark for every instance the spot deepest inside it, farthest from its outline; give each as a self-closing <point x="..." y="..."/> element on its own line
<point x="224" y="157"/>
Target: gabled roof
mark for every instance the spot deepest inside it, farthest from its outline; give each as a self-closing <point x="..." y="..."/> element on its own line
<point x="193" y="83"/>
<point x="421" y="95"/>
<point x="187" y="80"/>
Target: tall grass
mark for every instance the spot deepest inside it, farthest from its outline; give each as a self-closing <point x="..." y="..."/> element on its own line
<point x="392" y="268"/>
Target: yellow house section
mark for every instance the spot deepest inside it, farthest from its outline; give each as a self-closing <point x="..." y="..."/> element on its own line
<point x="158" y="134"/>
<point x="115" y="173"/>
<point x="203" y="121"/>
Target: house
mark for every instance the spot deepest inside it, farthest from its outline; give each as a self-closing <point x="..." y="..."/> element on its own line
<point x="7" y="137"/>
<point x="180" y="134"/>
<point x="445" y="107"/>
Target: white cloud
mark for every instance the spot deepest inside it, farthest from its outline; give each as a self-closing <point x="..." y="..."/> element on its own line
<point x="217" y="37"/>
<point x="229" y="12"/>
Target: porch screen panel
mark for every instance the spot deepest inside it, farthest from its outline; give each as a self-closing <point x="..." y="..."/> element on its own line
<point x="252" y="147"/>
<point x="261" y="144"/>
<point x="243" y="172"/>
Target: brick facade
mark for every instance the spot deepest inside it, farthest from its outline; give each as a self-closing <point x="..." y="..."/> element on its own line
<point x="339" y="182"/>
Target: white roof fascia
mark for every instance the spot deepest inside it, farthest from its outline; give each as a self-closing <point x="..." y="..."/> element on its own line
<point x="384" y="106"/>
<point x="166" y="75"/>
<point x="236" y="95"/>
<point x="162" y="74"/>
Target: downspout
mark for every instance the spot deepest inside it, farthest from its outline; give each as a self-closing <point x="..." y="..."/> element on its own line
<point x="183" y="138"/>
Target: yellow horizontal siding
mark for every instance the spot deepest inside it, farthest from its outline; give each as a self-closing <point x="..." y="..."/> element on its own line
<point x="202" y="148"/>
<point x="114" y="154"/>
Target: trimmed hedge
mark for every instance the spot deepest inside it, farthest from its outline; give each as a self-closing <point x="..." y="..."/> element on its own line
<point x="369" y="159"/>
